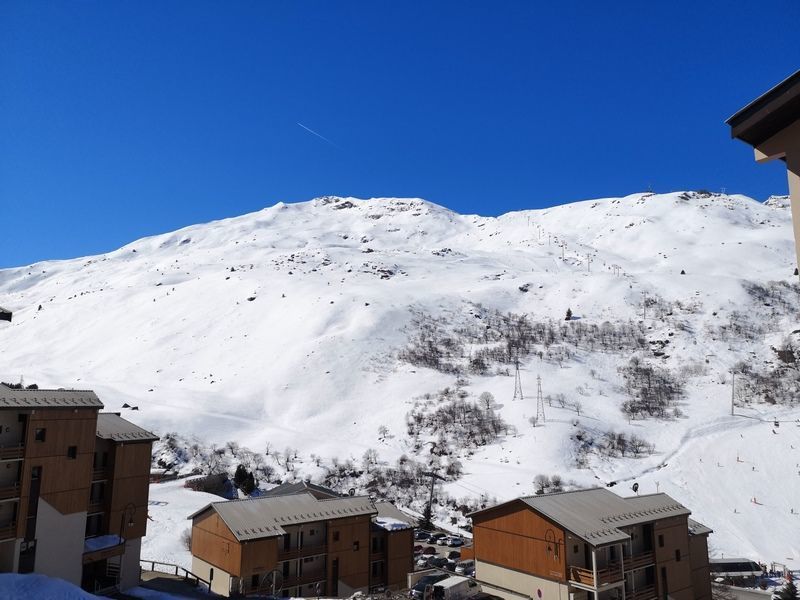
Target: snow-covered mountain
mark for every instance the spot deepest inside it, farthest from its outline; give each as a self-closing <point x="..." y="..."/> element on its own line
<point x="287" y="327"/>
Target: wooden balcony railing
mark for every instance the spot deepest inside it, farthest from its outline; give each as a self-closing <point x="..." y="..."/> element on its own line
<point x="9" y="491"/>
<point x="8" y="531"/>
<point x="645" y="593"/>
<point x="99" y="474"/>
<point x="301" y="552"/>
<point x="610" y="574"/>
<point x="11" y="452"/>
<point x="637" y="561"/>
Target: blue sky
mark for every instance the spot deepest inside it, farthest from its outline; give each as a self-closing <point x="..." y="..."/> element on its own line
<point x="125" y="119"/>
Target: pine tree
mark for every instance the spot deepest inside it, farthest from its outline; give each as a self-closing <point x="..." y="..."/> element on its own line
<point x="569" y="314"/>
<point x="240" y="476"/>
<point x="249" y="485"/>
<point x="788" y="591"/>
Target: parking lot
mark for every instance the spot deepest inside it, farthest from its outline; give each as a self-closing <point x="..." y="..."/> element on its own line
<point x="438" y="549"/>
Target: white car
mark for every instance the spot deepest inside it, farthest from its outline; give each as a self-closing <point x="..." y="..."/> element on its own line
<point x="455" y="541"/>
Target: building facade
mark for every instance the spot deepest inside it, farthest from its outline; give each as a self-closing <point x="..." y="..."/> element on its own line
<point x="592" y="545"/>
<point x="303" y="543"/>
<point x="73" y="488"/>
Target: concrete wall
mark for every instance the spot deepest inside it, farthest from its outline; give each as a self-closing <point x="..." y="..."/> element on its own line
<point x="59" y="543"/>
<point x="221" y="581"/>
<point x="129" y="564"/>
<point x="521" y="583"/>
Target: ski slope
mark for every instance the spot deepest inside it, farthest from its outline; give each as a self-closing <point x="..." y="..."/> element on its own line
<point x="282" y="327"/>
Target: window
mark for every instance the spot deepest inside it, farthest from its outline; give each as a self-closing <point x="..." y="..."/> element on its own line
<point x="285" y="569"/>
<point x="312" y="532"/>
<point x="557" y="551"/>
<point x="39" y="434"/>
<point x="575" y="549"/>
<point x="355" y="546"/>
<point x="36" y="473"/>
<point x="335" y="536"/>
<point x="660" y="541"/>
<point x="254" y="581"/>
<point x="678" y="555"/>
<point x="72" y="452"/>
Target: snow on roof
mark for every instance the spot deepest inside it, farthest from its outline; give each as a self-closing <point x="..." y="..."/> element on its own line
<point x="596" y="514"/>
<point x="391" y="518"/>
<point x="101" y="542"/>
<point x="110" y="426"/>
<point x="41" y="587"/>
<point x="14" y="398"/>
<point x="265" y="516"/>
<point x="286" y="489"/>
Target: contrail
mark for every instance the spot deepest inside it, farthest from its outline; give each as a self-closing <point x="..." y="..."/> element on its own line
<point x="322" y="137"/>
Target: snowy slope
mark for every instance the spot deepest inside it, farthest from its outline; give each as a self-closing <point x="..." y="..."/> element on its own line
<point x="282" y="327"/>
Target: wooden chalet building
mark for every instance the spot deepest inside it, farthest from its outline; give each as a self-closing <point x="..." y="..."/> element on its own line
<point x="592" y="545"/>
<point x="305" y="540"/>
<point x="73" y="488"/>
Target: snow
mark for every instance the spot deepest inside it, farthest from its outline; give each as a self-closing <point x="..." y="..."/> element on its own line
<point x="168" y="512"/>
<point x="166" y="324"/>
<point x="101" y="542"/>
<point x="390" y="524"/>
<point x="19" y="587"/>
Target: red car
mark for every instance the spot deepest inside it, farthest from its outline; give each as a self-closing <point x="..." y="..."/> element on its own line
<point x="429" y="550"/>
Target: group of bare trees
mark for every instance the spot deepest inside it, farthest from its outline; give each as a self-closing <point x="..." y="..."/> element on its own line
<point x="450" y="422"/>
<point x="608" y="444"/>
<point x="653" y="390"/>
<point x="482" y="339"/>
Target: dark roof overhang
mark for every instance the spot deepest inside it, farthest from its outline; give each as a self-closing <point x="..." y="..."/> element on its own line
<point x="768" y="114"/>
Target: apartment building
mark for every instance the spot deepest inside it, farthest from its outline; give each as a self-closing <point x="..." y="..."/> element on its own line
<point x="73" y="488"/>
<point x="302" y="540"/>
<point x="592" y="545"/>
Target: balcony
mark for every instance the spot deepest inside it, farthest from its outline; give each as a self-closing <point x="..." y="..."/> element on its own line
<point x="9" y="492"/>
<point x="8" y="531"/>
<point x="12" y="452"/>
<point x="638" y="561"/>
<point x="610" y="574"/>
<point x="96" y="506"/>
<point x="302" y="552"/>
<point x="645" y="593"/>
<point x="100" y="474"/>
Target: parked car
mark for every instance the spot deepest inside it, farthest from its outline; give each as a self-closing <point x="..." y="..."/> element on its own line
<point x="470" y="572"/>
<point x="464" y="566"/>
<point x="449" y="566"/>
<point x="429" y="550"/>
<point x="421" y="535"/>
<point x="438" y="561"/>
<point x="418" y="549"/>
<point x="418" y="591"/>
<point x="436" y="538"/>
<point x="454" y="555"/>
<point x="455" y="541"/>
<point x="422" y="561"/>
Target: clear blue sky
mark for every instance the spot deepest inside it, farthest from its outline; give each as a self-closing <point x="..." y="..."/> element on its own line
<point x="125" y="119"/>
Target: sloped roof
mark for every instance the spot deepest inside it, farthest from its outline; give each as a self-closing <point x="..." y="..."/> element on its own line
<point x="390" y="517"/>
<point x="287" y="489"/>
<point x="768" y="114"/>
<point x="13" y="398"/>
<point x="266" y="516"/>
<point x="697" y="528"/>
<point x="110" y="426"/>
<point x="595" y="515"/>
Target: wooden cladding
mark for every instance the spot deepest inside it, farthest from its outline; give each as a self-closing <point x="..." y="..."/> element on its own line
<point x="516" y="537"/>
